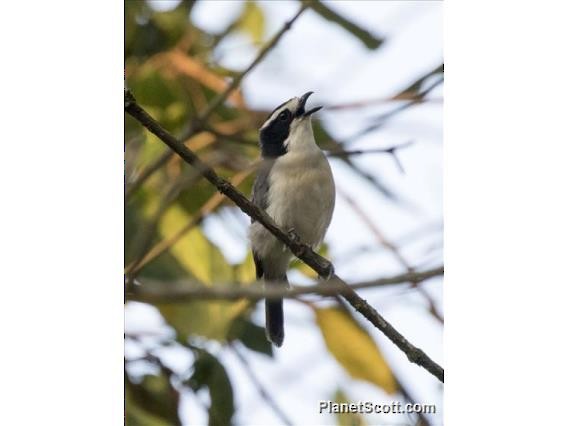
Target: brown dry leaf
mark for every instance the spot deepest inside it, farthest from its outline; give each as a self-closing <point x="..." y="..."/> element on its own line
<point x="354" y="349"/>
<point x="180" y="63"/>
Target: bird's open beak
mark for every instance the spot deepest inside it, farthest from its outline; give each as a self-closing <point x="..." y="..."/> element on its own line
<point x="302" y="110"/>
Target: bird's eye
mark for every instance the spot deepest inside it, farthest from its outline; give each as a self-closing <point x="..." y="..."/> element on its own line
<point x="284" y="115"/>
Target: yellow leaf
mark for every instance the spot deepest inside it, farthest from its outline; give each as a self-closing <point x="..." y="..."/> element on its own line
<point x="246" y="271"/>
<point x="251" y="21"/>
<point x="354" y="349"/>
<point x="194" y="251"/>
<point x="206" y="263"/>
<point x="210" y="319"/>
<point x="348" y="418"/>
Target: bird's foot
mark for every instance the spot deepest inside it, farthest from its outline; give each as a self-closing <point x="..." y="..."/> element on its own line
<point x="293" y="236"/>
<point x="330" y="272"/>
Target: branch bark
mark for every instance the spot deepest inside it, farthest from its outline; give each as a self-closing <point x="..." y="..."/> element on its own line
<point x="256" y="291"/>
<point x="319" y="264"/>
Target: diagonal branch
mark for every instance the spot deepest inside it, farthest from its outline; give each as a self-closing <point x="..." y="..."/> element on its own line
<point x="319" y="264"/>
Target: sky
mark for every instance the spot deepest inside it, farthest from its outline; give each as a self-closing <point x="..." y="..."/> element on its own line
<point x="320" y="56"/>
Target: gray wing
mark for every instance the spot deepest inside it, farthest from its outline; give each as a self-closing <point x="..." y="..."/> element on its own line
<point x="261" y="185"/>
<point x="260" y="199"/>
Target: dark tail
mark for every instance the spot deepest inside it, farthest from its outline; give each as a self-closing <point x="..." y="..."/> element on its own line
<point x="274" y="308"/>
<point x="275" y="321"/>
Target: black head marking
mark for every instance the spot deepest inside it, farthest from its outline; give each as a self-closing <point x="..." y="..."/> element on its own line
<point x="279" y="106"/>
<point x="272" y="136"/>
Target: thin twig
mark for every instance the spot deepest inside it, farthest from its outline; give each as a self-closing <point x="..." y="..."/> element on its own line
<point x="392" y="151"/>
<point x="389" y="150"/>
<point x="390" y="247"/>
<point x="319" y="264"/>
<point x="422" y="420"/>
<point x="380" y="120"/>
<point x="260" y="387"/>
<point x="376" y="101"/>
<point x="256" y="291"/>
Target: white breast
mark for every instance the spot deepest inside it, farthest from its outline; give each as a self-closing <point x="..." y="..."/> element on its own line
<point x="302" y="194"/>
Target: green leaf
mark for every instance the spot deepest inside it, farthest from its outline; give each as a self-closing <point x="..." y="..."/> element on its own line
<point x="209" y="373"/>
<point x="153" y="402"/>
<point x="162" y="97"/>
<point x="174" y="22"/>
<point x="252" y="21"/>
<point x="347" y="419"/>
<point x="194" y="251"/>
<point x="368" y="39"/>
<point x="252" y="336"/>
<point x="354" y="348"/>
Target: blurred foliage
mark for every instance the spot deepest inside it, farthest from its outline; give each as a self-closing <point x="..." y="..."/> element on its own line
<point x="354" y="349"/>
<point x="349" y="418"/>
<point x="368" y="39"/>
<point x="252" y="22"/>
<point x="209" y="373"/>
<point x="170" y="67"/>
<point x="153" y="401"/>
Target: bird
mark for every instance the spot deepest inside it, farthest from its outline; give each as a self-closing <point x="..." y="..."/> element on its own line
<point x="294" y="185"/>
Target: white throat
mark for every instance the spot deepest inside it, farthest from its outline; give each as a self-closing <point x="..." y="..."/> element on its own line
<point x="301" y="137"/>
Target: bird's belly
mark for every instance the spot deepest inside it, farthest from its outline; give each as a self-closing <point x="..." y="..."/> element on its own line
<point x="303" y="202"/>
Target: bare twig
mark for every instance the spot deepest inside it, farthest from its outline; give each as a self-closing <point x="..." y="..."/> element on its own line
<point x="392" y="248"/>
<point x="380" y="120"/>
<point x="260" y="387"/>
<point x="197" y="124"/>
<point x="378" y="101"/>
<point x="392" y="151"/>
<point x="319" y="264"/>
<point x="389" y="150"/>
<point x="254" y="292"/>
<point x="421" y="418"/>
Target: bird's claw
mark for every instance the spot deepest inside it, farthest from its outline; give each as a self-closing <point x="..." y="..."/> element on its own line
<point x="293" y="236"/>
<point x="330" y="272"/>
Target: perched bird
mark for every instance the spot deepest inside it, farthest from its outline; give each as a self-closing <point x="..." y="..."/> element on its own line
<point x="294" y="184"/>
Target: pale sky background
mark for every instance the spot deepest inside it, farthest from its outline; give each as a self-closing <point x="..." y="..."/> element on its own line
<point x="320" y="56"/>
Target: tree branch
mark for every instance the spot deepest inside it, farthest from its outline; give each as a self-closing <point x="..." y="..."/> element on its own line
<point x="257" y="291"/>
<point x="319" y="264"/>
